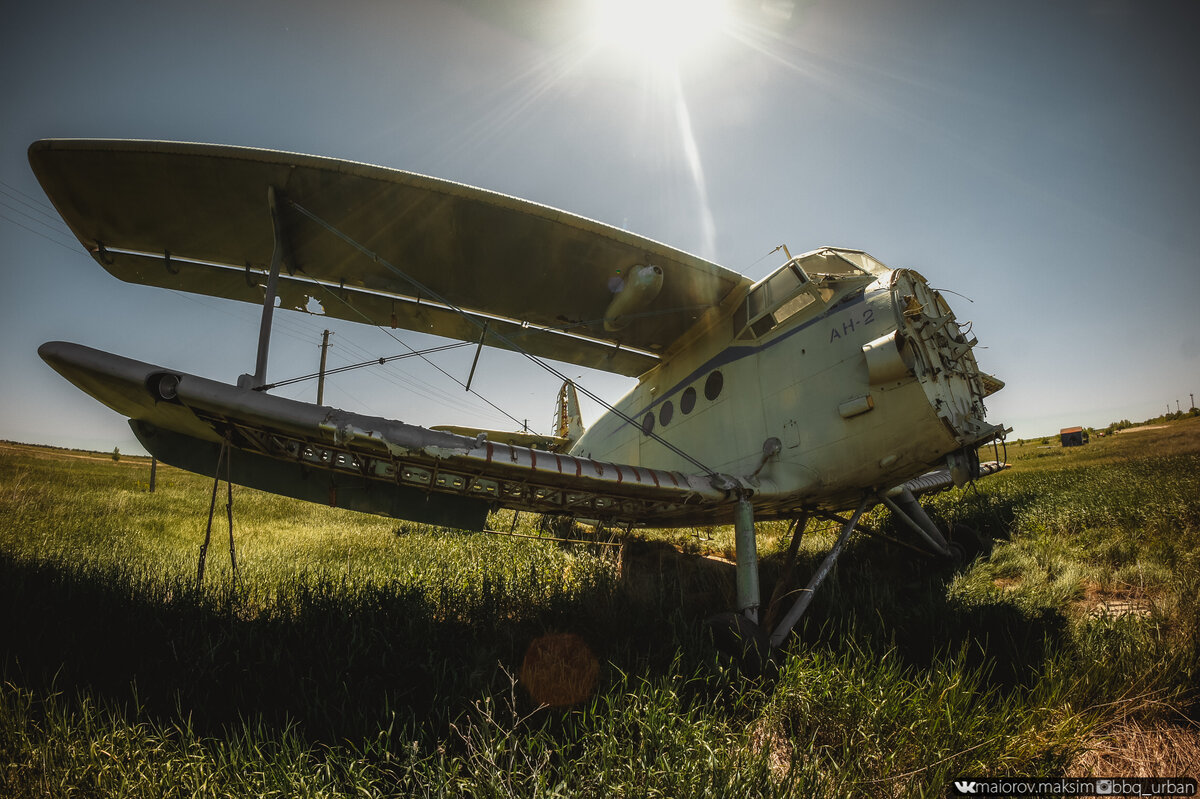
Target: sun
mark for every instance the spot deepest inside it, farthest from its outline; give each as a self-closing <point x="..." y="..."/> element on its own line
<point x="658" y="32"/>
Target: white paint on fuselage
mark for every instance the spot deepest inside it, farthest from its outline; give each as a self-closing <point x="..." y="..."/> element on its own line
<point x="788" y="385"/>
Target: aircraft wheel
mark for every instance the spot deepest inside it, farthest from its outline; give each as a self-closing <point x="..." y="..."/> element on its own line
<point x="741" y="639"/>
<point x="958" y="556"/>
<point x="973" y="544"/>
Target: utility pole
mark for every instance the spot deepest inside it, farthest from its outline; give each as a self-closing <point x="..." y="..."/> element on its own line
<point x="1193" y="397"/>
<point x="321" y="371"/>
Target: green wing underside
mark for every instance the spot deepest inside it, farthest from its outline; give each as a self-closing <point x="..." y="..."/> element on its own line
<point x="373" y="245"/>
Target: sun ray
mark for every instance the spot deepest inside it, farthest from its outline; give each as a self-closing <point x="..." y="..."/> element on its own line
<point x="520" y="92"/>
<point x="691" y="153"/>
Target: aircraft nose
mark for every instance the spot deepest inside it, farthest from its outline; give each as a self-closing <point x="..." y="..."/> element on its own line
<point x="942" y="357"/>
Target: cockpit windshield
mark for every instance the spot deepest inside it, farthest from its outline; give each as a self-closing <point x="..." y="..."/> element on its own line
<point x="844" y="263"/>
<point x="804" y="282"/>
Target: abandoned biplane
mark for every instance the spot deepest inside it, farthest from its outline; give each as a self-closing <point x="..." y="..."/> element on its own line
<point x="833" y="384"/>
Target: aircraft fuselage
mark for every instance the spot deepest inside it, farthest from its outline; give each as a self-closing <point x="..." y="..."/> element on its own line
<point x="854" y="389"/>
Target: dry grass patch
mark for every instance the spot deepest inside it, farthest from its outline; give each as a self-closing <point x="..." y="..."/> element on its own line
<point x="1102" y="600"/>
<point x="768" y="737"/>
<point x="1143" y="750"/>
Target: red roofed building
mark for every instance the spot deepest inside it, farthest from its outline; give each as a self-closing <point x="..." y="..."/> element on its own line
<point x="1073" y="436"/>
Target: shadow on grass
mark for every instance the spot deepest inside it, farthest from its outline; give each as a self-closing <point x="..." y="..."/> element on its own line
<point x="886" y="597"/>
<point x="339" y="661"/>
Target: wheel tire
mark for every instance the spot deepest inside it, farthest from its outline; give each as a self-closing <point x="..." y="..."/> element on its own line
<point x="973" y="544"/>
<point x="958" y="556"/>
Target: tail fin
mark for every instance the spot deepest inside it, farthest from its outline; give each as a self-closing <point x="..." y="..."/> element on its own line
<point x="568" y="423"/>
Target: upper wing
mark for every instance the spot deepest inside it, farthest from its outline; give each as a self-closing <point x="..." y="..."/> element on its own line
<point x="363" y="240"/>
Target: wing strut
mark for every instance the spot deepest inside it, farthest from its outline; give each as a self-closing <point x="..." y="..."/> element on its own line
<point x="259" y="377"/>
<point x="478" y="350"/>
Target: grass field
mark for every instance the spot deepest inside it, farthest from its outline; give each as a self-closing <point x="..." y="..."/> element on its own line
<point x="359" y="656"/>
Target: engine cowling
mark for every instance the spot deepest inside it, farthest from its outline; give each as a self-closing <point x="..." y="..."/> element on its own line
<point x="632" y="293"/>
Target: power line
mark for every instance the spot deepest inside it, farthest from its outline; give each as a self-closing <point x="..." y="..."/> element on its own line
<point x="31" y="201"/>
<point x="42" y="235"/>
<point x="30" y="217"/>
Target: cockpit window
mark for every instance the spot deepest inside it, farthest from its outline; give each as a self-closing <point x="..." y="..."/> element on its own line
<point x="775" y="289"/>
<point x="855" y="258"/>
<point x="803" y="282"/>
<point x="775" y="299"/>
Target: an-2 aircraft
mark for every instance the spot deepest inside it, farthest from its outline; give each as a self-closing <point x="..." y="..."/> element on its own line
<point x="831" y="385"/>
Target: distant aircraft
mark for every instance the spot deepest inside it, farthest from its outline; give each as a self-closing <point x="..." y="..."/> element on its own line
<point x="833" y="384"/>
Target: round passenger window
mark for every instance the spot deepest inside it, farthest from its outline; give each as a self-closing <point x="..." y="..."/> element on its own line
<point x="664" y="415"/>
<point x="648" y="424"/>
<point x="713" y="385"/>
<point x="688" y="400"/>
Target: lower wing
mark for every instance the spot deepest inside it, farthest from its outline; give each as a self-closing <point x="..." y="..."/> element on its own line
<point x="368" y="463"/>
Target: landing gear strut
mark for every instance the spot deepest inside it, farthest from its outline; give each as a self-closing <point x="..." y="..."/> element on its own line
<point x="905" y="507"/>
<point x="746" y="553"/>
<point x="742" y="631"/>
<point x="742" y="628"/>
<point x="784" y="629"/>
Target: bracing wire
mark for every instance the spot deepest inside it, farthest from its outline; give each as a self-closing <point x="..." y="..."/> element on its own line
<point x="404" y="344"/>
<point x="400" y="378"/>
<point x="372" y="362"/>
<point x="427" y="292"/>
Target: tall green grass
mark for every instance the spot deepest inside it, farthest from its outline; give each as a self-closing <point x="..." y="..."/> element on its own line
<point x="356" y="656"/>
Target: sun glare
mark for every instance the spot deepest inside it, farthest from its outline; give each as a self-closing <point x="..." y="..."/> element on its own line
<point x="660" y="32"/>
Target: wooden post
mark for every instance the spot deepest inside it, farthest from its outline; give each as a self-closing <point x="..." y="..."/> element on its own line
<point x="321" y="372"/>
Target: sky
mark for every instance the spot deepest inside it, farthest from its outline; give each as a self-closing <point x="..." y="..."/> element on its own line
<point x="1037" y="161"/>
